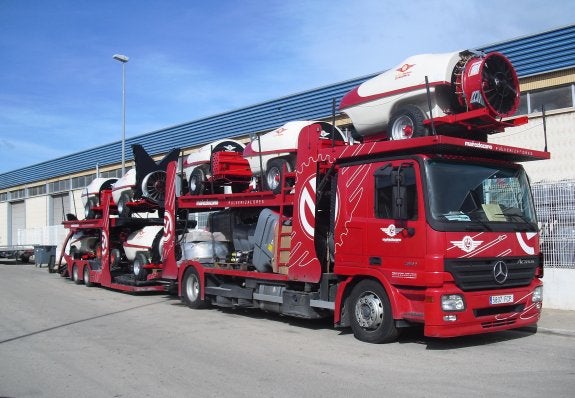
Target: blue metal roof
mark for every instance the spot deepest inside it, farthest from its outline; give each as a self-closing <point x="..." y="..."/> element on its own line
<point x="266" y="116"/>
<point x="535" y="54"/>
<point x="541" y="53"/>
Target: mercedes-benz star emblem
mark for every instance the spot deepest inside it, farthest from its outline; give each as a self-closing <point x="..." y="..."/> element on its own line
<point x="500" y="272"/>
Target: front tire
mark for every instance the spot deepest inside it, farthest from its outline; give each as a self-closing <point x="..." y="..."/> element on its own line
<point x="370" y="313"/>
<point x="192" y="289"/>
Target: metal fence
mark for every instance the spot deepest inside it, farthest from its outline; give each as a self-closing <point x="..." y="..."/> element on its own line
<point x="555" y="205"/>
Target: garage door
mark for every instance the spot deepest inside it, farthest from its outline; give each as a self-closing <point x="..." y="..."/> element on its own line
<point x="18" y="219"/>
<point x="60" y="206"/>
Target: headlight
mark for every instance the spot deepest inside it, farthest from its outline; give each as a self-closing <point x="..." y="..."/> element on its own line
<point x="537" y="296"/>
<point x="452" y="302"/>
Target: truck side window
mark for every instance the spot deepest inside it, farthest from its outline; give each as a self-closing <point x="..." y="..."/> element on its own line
<point x="385" y="180"/>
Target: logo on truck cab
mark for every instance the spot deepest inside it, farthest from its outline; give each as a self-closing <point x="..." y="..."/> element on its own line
<point x="467" y="244"/>
<point x="391" y="231"/>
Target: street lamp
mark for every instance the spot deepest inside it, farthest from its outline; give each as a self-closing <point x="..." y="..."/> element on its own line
<point x="123" y="59"/>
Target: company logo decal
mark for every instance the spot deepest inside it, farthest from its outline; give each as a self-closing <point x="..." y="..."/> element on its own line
<point x="467" y="244"/>
<point x="280" y="131"/>
<point x="404" y="71"/>
<point x="307" y="207"/>
<point x="391" y="232"/>
<point x="528" y="249"/>
<point x="478" y="145"/>
<point x="168" y="226"/>
<point x="104" y="243"/>
<point x="405" y="67"/>
<point x="500" y="272"/>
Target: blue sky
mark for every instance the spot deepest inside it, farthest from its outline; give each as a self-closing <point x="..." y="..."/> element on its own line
<point x="60" y="89"/>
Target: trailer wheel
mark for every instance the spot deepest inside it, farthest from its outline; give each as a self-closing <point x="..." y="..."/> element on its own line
<point x="370" y="313"/>
<point x="192" y="289"/>
<point x="63" y="270"/>
<point x="87" y="280"/>
<point x="198" y="180"/>
<point x="139" y="262"/>
<point x="76" y="275"/>
<point x="407" y="122"/>
<point x="123" y="210"/>
<point x="274" y="174"/>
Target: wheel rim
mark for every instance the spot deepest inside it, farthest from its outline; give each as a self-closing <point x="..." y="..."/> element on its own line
<point x="193" y="288"/>
<point x="193" y="184"/>
<point x="75" y="273"/>
<point x="402" y="128"/>
<point x="86" y="275"/>
<point x="273" y="178"/>
<point x="88" y="210"/>
<point x="137" y="267"/>
<point x="369" y="311"/>
<point x="122" y="203"/>
<point x="114" y="257"/>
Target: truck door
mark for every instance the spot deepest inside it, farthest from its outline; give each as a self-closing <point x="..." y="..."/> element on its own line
<point x="395" y="239"/>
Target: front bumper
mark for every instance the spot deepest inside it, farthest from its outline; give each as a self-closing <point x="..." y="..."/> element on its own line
<point x="480" y="315"/>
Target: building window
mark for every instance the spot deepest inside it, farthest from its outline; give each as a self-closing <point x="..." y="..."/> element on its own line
<point x="117" y="173"/>
<point x="82" y="181"/>
<point x="3" y="196"/>
<point x="37" y="190"/>
<point x="59" y="186"/>
<point x="552" y="98"/>
<point x="18" y="194"/>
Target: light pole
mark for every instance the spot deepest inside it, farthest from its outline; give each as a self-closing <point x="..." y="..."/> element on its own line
<point x="123" y="59"/>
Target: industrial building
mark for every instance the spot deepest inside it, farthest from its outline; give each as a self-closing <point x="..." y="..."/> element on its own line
<point x="35" y="199"/>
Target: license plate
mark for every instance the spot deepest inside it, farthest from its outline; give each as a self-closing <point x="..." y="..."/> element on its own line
<point x="502" y="299"/>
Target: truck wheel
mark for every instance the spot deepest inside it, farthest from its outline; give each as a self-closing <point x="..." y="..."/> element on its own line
<point x="274" y="174"/>
<point x="192" y="289"/>
<point x="370" y="313"/>
<point x="407" y="122"/>
<point x="139" y="262"/>
<point x="198" y="180"/>
<point x="87" y="280"/>
<point x="123" y="210"/>
<point x="75" y="275"/>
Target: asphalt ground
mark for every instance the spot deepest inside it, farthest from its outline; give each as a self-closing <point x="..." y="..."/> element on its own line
<point x="553" y="321"/>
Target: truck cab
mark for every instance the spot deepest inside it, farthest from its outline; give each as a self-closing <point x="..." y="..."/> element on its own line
<point x="452" y="239"/>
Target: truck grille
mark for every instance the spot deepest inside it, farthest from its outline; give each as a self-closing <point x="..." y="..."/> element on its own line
<point x="495" y="324"/>
<point x="478" y="274"/>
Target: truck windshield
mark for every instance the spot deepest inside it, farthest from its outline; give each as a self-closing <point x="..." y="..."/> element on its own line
<point x="465" y="196"/>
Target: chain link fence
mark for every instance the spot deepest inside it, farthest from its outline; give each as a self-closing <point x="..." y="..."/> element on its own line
<point x="555" y="206"/>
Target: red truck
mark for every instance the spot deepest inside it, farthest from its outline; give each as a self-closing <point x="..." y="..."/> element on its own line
<point x="436" y="231"/>
<point x="423" y="222"/>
